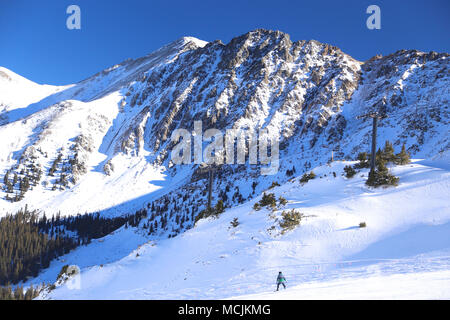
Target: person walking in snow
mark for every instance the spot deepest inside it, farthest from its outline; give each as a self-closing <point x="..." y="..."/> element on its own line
<point x="281" y="280"/>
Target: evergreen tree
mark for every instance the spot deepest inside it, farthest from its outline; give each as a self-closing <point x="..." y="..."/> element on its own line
<point x="219" y="207"/>
<point x="403" y="157"/>
<point x="363" y="161"/>
<point x="234" y="223"/>
<point x="6" y="178"/>
<point x="28" y="243"/>
<point x="388" y="152"/>
<point x="18" y="293"/>
<point x="381" y="176"/>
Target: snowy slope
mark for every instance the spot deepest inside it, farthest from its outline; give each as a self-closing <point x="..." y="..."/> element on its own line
<point x="404" y="252"/>
<point x="18" y="92"/>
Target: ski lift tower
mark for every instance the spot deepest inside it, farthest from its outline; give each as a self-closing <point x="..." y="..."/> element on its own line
<point x="210" y="183"/>
<point x="210" y="169"/>
<point x="375" y="116"/>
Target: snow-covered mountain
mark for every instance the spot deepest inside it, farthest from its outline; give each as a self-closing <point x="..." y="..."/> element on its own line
<point x="104" y="144"/>
<point x="112" y="130"/>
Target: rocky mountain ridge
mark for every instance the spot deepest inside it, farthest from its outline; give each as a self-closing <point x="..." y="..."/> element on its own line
<point x="111" y="132"/>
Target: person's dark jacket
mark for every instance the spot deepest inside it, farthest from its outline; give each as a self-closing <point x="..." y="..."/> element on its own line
<point x="281" y="278"/>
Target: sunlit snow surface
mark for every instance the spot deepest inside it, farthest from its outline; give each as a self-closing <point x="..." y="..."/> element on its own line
<point x="403" y="253"/>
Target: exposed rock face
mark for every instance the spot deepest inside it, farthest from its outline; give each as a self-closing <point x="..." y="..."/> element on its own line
<point x="260" y="79"/>
<point x="263" y="79"/>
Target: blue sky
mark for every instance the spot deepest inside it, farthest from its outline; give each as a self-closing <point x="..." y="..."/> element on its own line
<point x="35" y="42"/>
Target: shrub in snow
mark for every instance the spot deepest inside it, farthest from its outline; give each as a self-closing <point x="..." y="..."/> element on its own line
<point x="268" y="199"/>
<point x="234" y="223"/>
<point x="83" y="142"/>
<point x="307" y="176"/>
<point x="349" y="172"/>
<point x="208" y="212"/>
<point x="204" y="214"/>
<point x="274" y="184"/>
<point x="108" y="168"/>
<point x="62" y="272"/>
<point x="363" y="161"/>
<point x="290" y="220"/>
<point x="282" y="201"/>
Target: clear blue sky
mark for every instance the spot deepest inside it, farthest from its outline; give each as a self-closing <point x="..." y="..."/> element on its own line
<point x="35" y="42"/>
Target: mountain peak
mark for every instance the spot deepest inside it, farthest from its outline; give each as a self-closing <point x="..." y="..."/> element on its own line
<point x="198" y="42"/>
